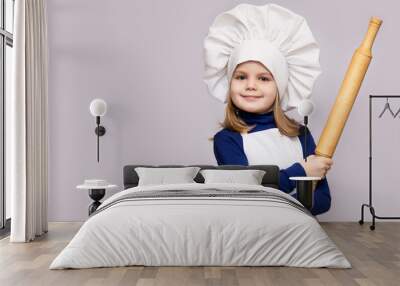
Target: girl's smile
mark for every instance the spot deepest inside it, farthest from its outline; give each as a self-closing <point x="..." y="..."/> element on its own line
<point x="251" y="97"/>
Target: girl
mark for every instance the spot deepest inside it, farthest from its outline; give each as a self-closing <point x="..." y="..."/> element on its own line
<point x="260" y="71"/>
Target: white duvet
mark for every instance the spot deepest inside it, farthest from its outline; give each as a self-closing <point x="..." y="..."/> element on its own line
<point x="200" y="231"/>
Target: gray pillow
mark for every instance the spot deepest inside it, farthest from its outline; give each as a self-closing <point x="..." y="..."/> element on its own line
<point x="162" y="176"/>
<point x="249" y="177"/>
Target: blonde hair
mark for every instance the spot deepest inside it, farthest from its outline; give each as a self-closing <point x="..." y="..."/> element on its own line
<point x="286" y="125"/>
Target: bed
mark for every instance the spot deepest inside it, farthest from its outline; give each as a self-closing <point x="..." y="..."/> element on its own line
<point x="201" y="224"/>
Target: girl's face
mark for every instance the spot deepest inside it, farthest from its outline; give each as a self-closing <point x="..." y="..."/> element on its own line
<point x="253" y="88"/>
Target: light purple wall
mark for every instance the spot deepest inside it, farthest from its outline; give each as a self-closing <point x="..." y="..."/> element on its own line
<point x="145" y="59"/>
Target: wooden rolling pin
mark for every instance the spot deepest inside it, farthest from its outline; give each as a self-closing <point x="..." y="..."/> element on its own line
<point x="348" y="92"/>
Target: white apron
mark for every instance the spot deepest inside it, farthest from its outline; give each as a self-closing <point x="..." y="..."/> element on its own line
<point x="270" y="147"/>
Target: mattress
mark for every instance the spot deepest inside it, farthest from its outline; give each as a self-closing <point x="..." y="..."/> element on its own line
<point x="201" y="225"/>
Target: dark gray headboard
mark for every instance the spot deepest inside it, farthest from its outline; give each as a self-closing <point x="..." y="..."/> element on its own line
<point x="271" y="177"/>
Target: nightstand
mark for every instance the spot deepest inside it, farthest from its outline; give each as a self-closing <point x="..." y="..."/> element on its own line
<point x="96" y="192"/>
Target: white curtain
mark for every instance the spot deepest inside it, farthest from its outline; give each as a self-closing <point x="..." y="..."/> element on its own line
<point x="26" y="119"/>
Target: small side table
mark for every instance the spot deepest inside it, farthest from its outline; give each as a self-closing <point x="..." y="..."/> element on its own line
<point x="305" y="187"/>
<point x="96" y="193"/>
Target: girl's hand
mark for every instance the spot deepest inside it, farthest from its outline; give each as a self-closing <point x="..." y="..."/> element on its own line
<point x="316" y="166"/>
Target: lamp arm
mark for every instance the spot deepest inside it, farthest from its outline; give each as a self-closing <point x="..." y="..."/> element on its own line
<point x="305" y="136"/>
<point x="98" y="128"/>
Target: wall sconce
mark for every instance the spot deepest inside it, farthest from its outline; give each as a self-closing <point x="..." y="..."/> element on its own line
<point x="98" y="108"/>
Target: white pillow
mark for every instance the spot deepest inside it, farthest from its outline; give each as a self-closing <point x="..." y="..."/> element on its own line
<point x="249" y="177"/>
<point x="162" y="176"/>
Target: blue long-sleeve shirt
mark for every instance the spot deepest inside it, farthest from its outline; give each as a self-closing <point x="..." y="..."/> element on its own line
<point x="228" y="150"/>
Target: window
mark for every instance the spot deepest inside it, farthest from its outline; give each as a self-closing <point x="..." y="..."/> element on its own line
<point x="6" y="60"/>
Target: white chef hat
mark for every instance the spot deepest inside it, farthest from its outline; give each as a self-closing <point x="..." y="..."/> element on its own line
<point x="275" y="36"/>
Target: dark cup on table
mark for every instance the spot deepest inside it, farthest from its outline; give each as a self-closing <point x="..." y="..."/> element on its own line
<point x="305" y="190"/>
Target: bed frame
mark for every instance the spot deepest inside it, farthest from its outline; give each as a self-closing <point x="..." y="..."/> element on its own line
<point x="270" y="179"/>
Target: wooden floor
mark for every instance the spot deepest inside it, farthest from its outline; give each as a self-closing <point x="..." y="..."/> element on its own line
<point x="374" y="255"/>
